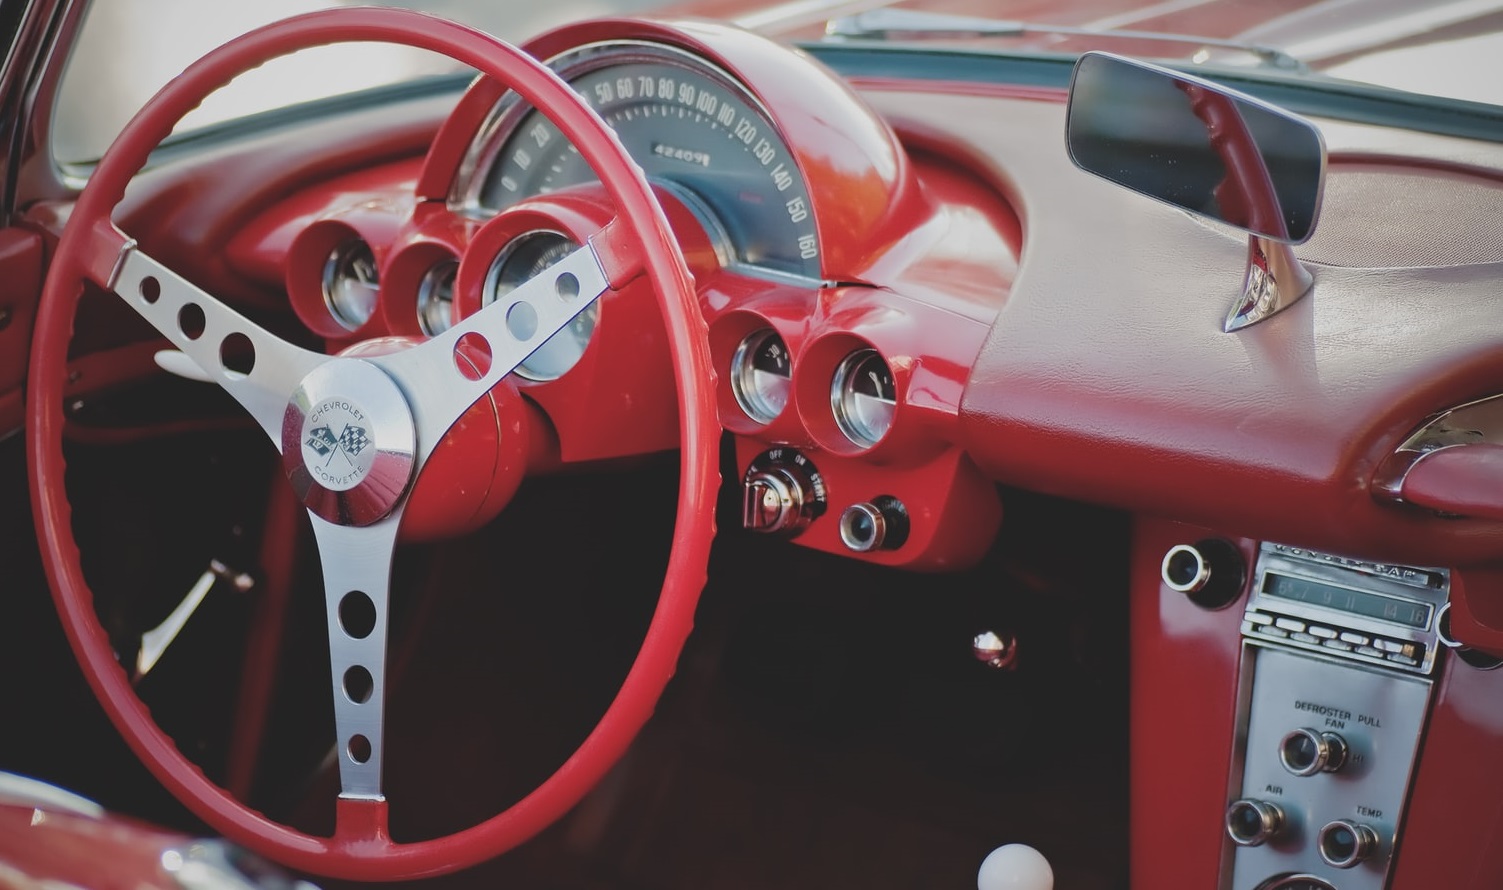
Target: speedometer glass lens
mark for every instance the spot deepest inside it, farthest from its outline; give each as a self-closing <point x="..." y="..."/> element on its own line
<point x="524" y="259"/>
<point x="684" y="123"/>
<point x="760" y="375"/>
<point x="864" y="398"/>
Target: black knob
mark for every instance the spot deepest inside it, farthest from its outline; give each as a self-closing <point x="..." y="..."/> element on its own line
<point x="1343" y="844"/>
<point x="1210" y="572"/>
<point x="1252" y="823"/>
<point x="1306" y="752"/>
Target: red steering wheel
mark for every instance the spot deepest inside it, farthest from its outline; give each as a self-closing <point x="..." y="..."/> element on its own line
<point x="385" y="414"/>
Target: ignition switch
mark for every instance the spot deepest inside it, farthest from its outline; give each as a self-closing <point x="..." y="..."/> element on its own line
<point x="782" y="493"/>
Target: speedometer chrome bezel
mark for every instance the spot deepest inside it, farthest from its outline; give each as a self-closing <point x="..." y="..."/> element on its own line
<point x="766" y="246"/>
<point x="501" y="122"/>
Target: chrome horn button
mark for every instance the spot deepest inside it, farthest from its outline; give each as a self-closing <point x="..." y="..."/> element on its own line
<point x="349" y="442"/>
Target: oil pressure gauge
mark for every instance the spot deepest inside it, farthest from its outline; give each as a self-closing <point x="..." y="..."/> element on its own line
<point x="760" y="371"/>
<point x="863" y="397"/>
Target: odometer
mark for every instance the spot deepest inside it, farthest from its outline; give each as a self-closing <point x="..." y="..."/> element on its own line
<point x="684" y="123"/>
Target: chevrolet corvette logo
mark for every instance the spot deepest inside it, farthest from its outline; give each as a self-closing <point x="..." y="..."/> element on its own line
<point x="338" y="460"/>
<point x="351" y="441"/>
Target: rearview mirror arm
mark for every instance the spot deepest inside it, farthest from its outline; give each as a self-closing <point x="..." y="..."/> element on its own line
<point x="1275" y="280"/>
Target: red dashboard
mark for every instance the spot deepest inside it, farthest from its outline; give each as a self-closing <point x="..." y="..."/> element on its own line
<point x="917" y="312"/>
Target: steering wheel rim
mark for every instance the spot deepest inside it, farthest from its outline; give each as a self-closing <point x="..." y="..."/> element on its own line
<point x="92" y="248"/>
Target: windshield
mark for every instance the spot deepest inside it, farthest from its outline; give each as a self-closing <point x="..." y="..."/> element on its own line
<point x="130" y="48"/>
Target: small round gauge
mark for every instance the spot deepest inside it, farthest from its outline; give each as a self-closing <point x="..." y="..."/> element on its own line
<point x="435" y="304"/>
<point x="760" y="372"/>
<point x="524" y="259"/>
<point x="863" y="397"/>
<point x="351" y="284"/>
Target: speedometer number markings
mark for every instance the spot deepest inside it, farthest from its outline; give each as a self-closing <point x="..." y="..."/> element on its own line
<point x="676" y="121"/>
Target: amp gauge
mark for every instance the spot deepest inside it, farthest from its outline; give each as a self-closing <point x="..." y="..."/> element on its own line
<point x="760" y="371"/>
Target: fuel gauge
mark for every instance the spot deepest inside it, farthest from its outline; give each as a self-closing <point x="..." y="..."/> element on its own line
<point x="760" y="371"/>
<point x="864" y="398"/>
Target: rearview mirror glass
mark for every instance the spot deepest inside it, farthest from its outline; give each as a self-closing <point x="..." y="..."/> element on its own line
<point x="1196" y="145"/>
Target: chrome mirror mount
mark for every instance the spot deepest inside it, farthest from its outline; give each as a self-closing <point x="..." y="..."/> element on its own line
<point x="1211" y="151"/>
<point x="1275" y="280"/>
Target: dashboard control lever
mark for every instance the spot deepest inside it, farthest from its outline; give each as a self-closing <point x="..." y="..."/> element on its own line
<point x="1211" y="572"/>
<point x="995" y="650"/>
<point x="1015" y="867"/>
<point x="1252" y="823"/>
<point x="1344" y="844"/>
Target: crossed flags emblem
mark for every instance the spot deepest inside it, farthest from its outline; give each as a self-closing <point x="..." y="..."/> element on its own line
<point x="350" y="442"/>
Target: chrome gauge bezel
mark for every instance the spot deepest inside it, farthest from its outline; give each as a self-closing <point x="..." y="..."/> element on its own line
<point x="437" y="288"/>
<point x="591" y="311"/>
<point x="755" y="403"/>
<point x="849" y="419"/>
<point x="337" y="266"/>
<point x="503" y="118"/>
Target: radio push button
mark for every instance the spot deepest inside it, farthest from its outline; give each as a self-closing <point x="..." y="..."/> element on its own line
<point x="1252" y="823"/>
<point x="1306" y="752"/>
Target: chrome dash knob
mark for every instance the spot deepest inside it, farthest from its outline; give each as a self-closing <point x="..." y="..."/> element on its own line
<point x="1305" y="752"/>
<point x="995" y="650"/>
<point x="1252" y="823"/>
<point x="1344" y="844"/>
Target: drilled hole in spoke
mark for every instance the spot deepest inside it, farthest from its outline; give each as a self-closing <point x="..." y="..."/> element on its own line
<point x="567" y="286"/>
<point x="237" y="354"/>
<point x="357" y="615"/>
<point x="358" y="684"/>
<point x="472" y="356"/>
<point x="191" y="321"/>
<point x="359" y="748"/>
<point x="522" y="321"/>
<point x="151" y="289"/>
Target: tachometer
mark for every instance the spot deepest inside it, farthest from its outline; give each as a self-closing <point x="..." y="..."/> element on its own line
<point x="685" y="123"/>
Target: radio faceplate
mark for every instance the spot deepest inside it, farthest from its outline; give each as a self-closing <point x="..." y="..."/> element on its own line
<point x="1371" y="613"/>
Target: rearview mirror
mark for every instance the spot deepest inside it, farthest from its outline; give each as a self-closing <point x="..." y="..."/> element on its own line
<point x="1196" y="145"/>
<point x="1209" y="150"/>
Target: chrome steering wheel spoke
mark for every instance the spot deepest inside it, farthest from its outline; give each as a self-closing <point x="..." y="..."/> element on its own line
<point x="260" y="370"/>
<point x="443" y="377"/>
<point x="357" y="583"/>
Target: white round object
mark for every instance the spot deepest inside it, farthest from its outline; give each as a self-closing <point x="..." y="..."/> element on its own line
<point x="1015" y="867"/>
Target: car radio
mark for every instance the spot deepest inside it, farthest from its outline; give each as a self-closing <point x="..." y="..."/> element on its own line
<point x="1334" y="686"/>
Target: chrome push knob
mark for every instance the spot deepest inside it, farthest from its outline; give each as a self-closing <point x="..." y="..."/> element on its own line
<point x="1305" y="752"/>
<point x="1210" y="572"/>
<point x="1344" y="844"/>
<point x="995" y="650"/>
<point x="1252" y="823"/>
<point x="881" y="524"/>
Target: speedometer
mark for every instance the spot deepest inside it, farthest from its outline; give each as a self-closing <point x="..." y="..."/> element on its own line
<point x="686" y="124"/>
